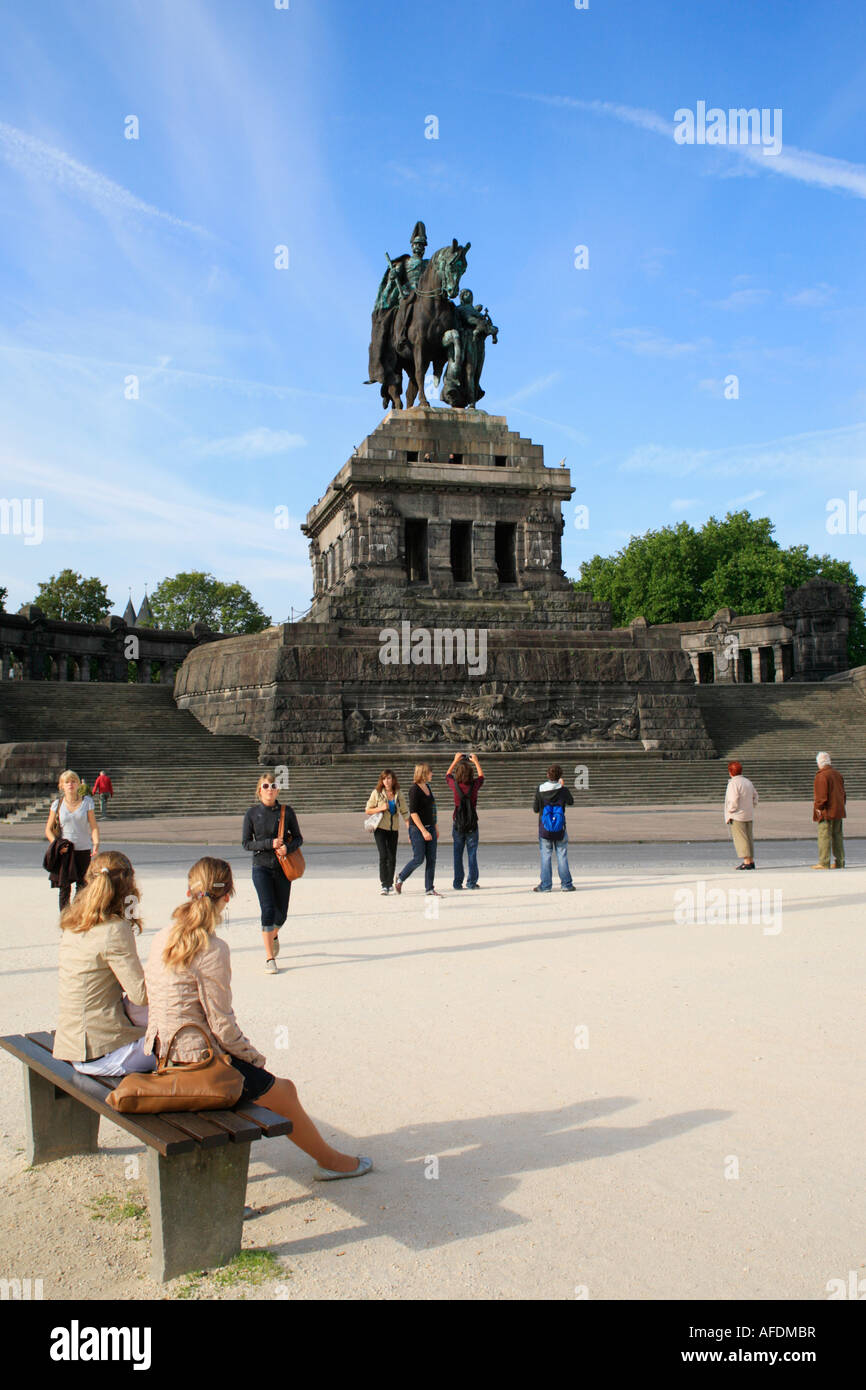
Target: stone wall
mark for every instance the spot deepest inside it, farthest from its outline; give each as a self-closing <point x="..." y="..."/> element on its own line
<point x="29" y="772"/>
<point x="313" y="692"/>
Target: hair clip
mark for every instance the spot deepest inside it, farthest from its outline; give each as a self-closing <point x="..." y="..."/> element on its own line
<point x="105" y="871"/>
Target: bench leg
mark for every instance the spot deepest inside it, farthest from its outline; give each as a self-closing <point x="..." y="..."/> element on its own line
<point x="57" y="1124"/>
<point x="196" y="1208"/>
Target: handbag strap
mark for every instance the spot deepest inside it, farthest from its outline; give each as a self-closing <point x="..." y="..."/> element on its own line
<point x="281" y="831"/>
<point x="187" y="1066"/>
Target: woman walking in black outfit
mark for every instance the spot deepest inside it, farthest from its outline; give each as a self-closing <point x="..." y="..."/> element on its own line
<point x="423" y="831"/>
<point x="261" y="837"/>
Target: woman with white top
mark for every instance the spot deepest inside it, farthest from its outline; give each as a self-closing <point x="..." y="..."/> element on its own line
<point x="73" y="817"/>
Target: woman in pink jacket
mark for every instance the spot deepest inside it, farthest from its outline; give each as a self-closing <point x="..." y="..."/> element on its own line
<point x="740" y="802"/>
<point x="189" y="981"/>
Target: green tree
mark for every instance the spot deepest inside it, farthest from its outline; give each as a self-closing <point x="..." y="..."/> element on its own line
<point x="3" y="596"/>
<point x="69" y="596"/>
<point x="197" y="597"/>
<point x="678" y="574"/>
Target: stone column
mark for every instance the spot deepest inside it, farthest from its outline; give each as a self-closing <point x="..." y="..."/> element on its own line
<point x="439" y="553"/>
<point x="756" y="664"/>
<point x="484" y="554"/>
<point x="777" y="661"/>
<point x="693" y="658"/>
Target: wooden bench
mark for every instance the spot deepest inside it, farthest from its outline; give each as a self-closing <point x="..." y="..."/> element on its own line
<point x="197" y="1162"/>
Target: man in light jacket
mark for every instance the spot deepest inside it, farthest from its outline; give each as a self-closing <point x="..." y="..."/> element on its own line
<point x="740" y="802"/>
<point x="828" y="809"/>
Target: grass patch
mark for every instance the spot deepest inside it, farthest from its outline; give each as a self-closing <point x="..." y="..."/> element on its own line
<point x="249" y="1267"/>
<point x="108" y="1207"/>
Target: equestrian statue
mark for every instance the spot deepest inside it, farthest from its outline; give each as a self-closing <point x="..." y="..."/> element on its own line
<point x="417" y="325"/>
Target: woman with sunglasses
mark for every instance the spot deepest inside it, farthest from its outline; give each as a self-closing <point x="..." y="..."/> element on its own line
<point x="261" y="837"/>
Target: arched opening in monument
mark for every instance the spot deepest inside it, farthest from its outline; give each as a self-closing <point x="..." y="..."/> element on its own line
<point x="744" y="667"/>
<point x="506" y="552"/>
<point x="706" y="668"/>
<point x="461" y="552"/>
<point x="416" y="550"/>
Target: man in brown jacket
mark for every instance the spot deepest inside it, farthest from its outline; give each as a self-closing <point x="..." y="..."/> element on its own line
<point x="828" y="810"/>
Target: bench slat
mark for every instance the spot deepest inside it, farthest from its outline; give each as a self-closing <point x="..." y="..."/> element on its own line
<point x="152" y="1130"/>
<point x="200" y="1126"/>
<point x="267" y="1120"/>
<point x="239" y="1130"/>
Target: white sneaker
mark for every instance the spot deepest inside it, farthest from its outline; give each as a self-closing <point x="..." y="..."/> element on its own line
<point x="271" y="967"/>
<point x="383" y="892"/>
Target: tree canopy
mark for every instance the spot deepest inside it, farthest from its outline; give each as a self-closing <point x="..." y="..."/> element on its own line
<point x="197" y="597"/>
<point x="69" y="596"/>
<point x="680" y="575"/>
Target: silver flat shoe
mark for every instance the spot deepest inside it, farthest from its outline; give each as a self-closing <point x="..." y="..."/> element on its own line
<point x="329" y="1175"/>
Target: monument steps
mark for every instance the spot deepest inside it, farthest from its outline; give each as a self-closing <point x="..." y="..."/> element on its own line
<point x="162" y="761"/>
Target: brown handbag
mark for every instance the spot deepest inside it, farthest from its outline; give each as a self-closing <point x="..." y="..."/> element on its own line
<point x="211" y="1084"/>
<point x="292" y="864"/>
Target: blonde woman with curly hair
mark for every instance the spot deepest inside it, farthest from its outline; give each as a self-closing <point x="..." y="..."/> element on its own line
<point x="101" y="983"/>
<point x="73" y="817"/>
<point x="189" y="981"/>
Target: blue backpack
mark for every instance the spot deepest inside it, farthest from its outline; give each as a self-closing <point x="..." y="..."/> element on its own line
<point x="553" y="820"/>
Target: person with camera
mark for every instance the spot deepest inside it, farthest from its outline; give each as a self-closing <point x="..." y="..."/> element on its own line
<point x="465" y="779"/>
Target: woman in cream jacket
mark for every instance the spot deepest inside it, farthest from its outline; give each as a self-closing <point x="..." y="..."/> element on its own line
<point x="101" y="982"/>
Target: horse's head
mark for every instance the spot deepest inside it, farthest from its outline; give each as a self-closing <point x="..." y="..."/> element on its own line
<point x="449" y="264"/>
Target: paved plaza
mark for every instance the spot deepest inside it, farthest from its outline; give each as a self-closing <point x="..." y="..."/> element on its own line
<point x="645" y="1089"/>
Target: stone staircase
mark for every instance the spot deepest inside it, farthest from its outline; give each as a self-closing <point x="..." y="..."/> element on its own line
<point x="162" y="761"/>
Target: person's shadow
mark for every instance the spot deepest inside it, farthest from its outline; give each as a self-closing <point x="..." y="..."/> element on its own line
<point x="445" y="1180"/>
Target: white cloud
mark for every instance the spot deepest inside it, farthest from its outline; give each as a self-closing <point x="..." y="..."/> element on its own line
<point x="43" y="162"/>
<point x="814" y="297"/>
<point x="826" y="454"/>
<point x="532" y="388"/>
<point x="254" y="444"/>
<point x="748" y="497"/>
<point x="648" y="344"/>
<point x="742" y="299"/>
<point x="817" y="169"/>
<point x="682" y="504"/>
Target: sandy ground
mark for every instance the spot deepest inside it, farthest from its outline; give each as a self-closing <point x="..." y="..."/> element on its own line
<point x="560" y="1092"/>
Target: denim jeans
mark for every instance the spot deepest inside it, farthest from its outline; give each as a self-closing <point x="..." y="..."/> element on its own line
<point x="423" y="852"/>
<point x="273" y="889"/>
<point x="470" y="844"/>
<point x="546" y="848"/>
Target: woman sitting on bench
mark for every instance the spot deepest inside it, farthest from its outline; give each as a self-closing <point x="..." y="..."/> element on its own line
<point x="189" y="981"/>
<point x="103" y="999"/>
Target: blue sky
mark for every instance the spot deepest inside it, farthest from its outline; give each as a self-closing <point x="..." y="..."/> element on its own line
<point x="154" y="258"/>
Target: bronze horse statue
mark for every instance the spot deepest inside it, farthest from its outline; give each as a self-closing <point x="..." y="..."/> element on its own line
<point x="416" y="339"/>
